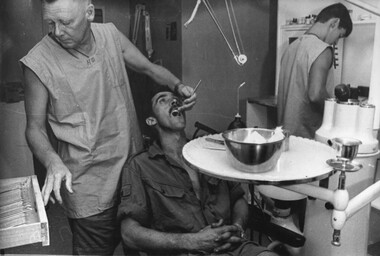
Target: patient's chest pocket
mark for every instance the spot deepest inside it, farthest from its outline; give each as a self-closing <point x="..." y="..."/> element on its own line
<point x="173" y="192"/>
<point x="166" y="191"/>
<point x="170" y="207"/>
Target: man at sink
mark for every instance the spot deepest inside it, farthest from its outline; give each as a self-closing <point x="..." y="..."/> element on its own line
<point x="169" y="209"/>
<point x="306" y="72"/>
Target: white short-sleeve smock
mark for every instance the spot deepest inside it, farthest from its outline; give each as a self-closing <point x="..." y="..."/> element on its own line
<point x="91" y="112"/>
<point x="295" y="111"/>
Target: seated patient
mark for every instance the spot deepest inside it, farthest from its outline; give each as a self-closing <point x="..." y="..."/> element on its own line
<point x="168" y="209"/>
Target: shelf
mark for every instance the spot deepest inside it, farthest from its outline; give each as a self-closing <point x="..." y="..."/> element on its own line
<point x="306" y="26"/>
<point x="296" y="26"/>
<point x="363" y="22"/>
<point x="268" y="101"/>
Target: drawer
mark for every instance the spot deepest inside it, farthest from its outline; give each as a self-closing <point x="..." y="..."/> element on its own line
<point x="23" y="217"/>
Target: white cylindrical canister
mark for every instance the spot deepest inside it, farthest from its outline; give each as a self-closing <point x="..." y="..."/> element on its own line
<point x="328" y="114"/>
<point x="364" y="129"/>
<point x="345" y="116"/>
<point x="323" y="133"/>
<point x="364" y="124"/>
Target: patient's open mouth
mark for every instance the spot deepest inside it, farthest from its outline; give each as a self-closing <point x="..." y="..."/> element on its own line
<point x="174" y="111"/>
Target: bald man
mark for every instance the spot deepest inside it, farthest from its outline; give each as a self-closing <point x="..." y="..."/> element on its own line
<point x="76" y="81"/>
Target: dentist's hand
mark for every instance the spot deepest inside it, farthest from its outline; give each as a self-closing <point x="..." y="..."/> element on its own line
<point x="189" y="96"/>
<point x="56" y="174"/>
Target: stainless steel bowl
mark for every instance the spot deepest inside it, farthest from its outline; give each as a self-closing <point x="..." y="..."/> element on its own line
<point x="252" y="157"/>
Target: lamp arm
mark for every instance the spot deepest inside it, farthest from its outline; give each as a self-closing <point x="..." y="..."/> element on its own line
<point x="339" y="198"/>
<point x="363" y="198"/>
<point x="344" y="208"/>
<point x="313" y="191"/>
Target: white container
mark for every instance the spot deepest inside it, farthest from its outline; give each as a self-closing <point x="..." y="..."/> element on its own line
<point x="349" y="120"/>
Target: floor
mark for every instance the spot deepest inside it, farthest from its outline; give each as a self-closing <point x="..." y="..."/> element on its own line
<point x="60" y="237"/>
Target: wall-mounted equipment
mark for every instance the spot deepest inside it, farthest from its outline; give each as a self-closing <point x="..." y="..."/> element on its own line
<point x="140" y="9"/>
<point x="171" y="31"/>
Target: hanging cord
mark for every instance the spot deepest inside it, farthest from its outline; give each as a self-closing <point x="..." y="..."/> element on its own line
<point x="239" y="58"/>
<point x="237" y="28"/>
<point x="232" y="27"/>
<point x="209" y="8"/>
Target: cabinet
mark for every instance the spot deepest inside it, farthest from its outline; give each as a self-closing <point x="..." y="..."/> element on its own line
<point x="262" y="112"/>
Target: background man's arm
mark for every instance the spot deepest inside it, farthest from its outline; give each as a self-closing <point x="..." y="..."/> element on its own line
<point x="36" y="99"/>
<point x="317" y="91"/>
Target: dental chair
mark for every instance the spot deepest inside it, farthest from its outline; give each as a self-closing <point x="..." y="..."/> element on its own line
<point x="201" y="127"/>
<point x="267" y="218"/>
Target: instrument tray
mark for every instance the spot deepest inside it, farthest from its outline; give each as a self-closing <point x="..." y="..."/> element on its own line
<point x="23" y="218"/>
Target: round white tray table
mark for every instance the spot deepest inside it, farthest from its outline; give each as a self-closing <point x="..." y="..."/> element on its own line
<point x="304" y="162"/>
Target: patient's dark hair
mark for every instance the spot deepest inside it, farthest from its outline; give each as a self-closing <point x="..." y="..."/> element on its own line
<point x="337" y="11"/>
<point x="149" y="132"/>
<point x="153" y="91"/>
